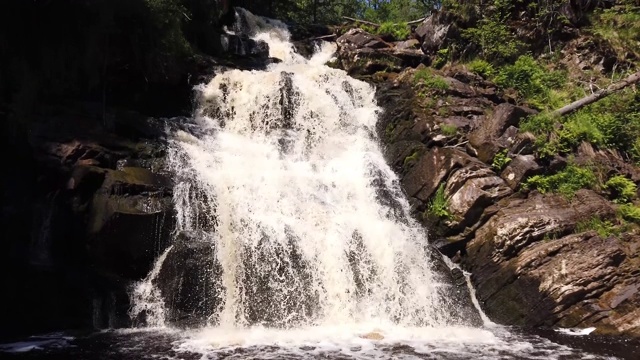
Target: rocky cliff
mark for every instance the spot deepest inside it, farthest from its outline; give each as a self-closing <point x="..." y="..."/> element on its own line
<point x="473" y="168"/>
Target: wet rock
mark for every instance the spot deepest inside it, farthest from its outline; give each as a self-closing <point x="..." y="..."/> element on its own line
<point x="187" y="280"/>
<point x="579" y="280"/>
<point x="432" y="168"/>
<point x="128" y="215"/>
<point x="244" y="46"/>
<point x="470" y="190"/>
<point x="484" y="139"/>
<point x="519" y="168"/>
<point x="462" y="310"/>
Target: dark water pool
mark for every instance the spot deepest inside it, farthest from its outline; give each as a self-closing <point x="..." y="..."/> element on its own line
<point x="321" y="343"/>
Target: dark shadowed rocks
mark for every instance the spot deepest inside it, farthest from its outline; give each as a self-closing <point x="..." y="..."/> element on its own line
<point x="487" y="140"/>
<point x="435" y="31"/>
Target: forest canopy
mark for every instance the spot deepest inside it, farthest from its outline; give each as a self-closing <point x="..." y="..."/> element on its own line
<point x="332" y="11"/>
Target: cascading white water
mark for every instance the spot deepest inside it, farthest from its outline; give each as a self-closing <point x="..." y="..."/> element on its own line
<point x="308" y="221"/>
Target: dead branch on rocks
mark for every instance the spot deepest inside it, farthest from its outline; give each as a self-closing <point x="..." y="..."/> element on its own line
<point x="613" y="88"/>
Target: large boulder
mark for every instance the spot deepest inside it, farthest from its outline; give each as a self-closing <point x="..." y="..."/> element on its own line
<point x="361" y="53"/>
<point x="519" y="168"/>
<point x="432" y="168"/>
<point x="435" y="31"/>
<point x="187" y="280"/>
<point x="470" y="190"/>
<point x="530" y="270"/>
<point x="486" y="140"/>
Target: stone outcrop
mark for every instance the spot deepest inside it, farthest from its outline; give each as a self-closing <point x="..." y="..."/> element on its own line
<point x="529" y="269"/>
<point x="102" y="212"/>
<point x="531" y="260"/>
<point x="436" y="31"/>
<point x="360" y="53"/>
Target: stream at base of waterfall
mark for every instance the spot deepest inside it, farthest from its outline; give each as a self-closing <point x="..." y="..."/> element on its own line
<point x="306" y="247"/>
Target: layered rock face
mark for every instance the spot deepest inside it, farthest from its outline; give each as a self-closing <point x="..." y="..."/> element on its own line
<point x="531" y="264"/>
<point x="87" y="204"/>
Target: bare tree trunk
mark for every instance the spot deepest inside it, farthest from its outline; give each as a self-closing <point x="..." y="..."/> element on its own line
<point x="576" y="105"/>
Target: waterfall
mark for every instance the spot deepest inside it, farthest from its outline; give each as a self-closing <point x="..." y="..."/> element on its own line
<point x="285" y="183"/>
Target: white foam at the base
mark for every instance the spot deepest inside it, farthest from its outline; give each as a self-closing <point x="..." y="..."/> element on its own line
<point x="576" y="332"/>
<point x="371" y="341"/>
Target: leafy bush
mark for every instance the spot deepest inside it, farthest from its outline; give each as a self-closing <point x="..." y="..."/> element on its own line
<point x="629" y="212"/>
<point x="430" y="80"/>
<point x="622" y="189"/>
<point x="442" y="56"/>
<point x="613" y="122"/>
<point x="500" y="160"/>
<point x="604" y="229"/>
<point x="400" y="31"/>
<point x="439" y="204"/>
<point x="566" y="182"/>
<point x="533" y="82"/>
<point x="482" y="68"/>
<point x="538" y="124"/>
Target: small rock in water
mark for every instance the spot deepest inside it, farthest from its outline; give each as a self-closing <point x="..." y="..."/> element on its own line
<point x="372" y="336"/>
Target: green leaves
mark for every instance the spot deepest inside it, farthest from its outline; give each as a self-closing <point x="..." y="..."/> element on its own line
<point x="622" y="189"/>
<point x="495" y="40"/>
<point x="565" y="182"/>
<point x="500" y="160"/>
<point x="532" y="81"/>
<point x="439" y="205"/>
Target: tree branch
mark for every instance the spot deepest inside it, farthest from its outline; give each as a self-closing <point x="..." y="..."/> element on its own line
<point x="577" y="105"/>
<point x="361" y="21"/>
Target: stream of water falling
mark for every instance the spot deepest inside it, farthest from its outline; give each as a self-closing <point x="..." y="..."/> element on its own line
<point x="316" y="252"/>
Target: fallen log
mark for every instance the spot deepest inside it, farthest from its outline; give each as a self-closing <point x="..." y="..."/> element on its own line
<point x="413" y="22"/>
<point x="361" y="21"/>
<point x="578" y="104"/>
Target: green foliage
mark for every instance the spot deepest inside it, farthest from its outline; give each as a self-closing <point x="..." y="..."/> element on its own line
<point x="400" y="31"/>
<point x="442" y="57"/>
<point x="429" y="80"/>
<point x="166" y="24"/>
<point x="495" y="40"/>
<point x="622" y="189"/>
<point x="620" y="26"/>
<point x="439" y="205"/>
<point x="448" y="130"/>
<point x="566" y="182"/>
<point x="539" y="124"/>
<point x="388" y="130"/>
<point x="482" y="68"/>
<point x="380" y="11"/>
<point x="604" y="229"/>
<point x="613" y="122"/>
<point x="411" y="158"/>
<point x="500" y="160"/>
<point x="533" y="82"/>
<point x="629" y="212"/>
